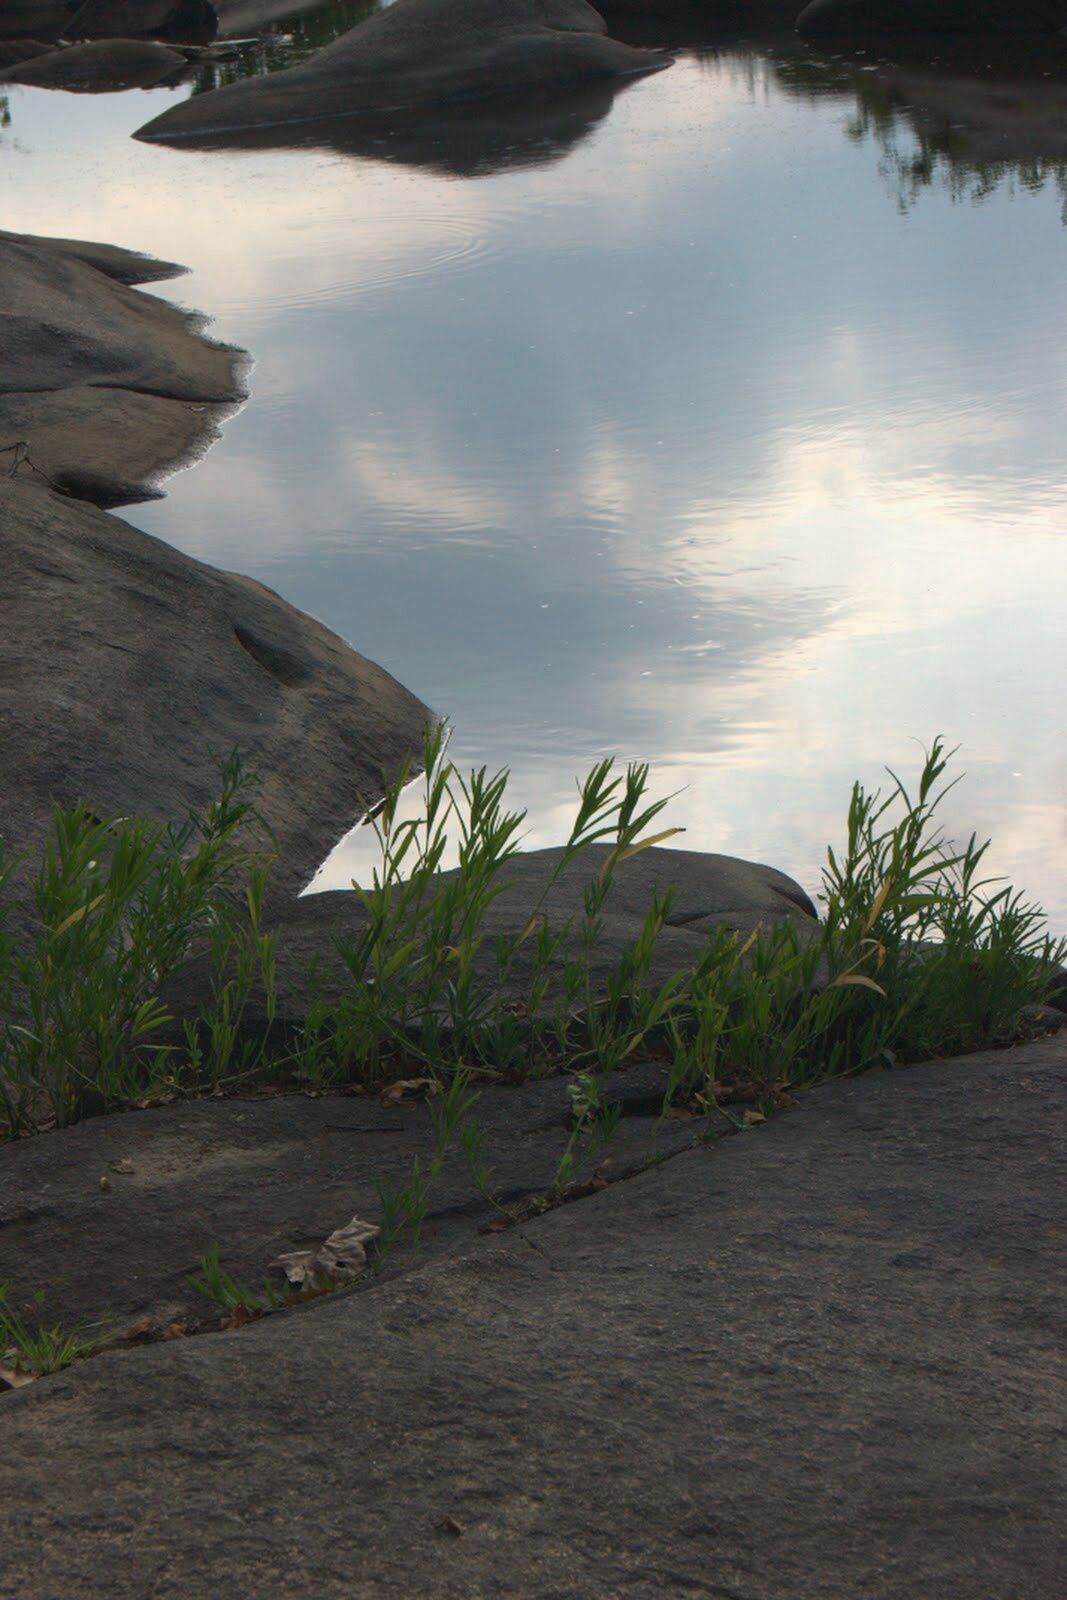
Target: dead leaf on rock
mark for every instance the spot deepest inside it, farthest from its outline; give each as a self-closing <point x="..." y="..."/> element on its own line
<point x="754" y="1118"/>
<point x="175" y="1330"/>
<point x="125" y="1167"/>
<point x="139" y="1330"/>
<point x="15" y="1378"/>
<point x="343" y="1255"/>
<point x="406" y="1089"/>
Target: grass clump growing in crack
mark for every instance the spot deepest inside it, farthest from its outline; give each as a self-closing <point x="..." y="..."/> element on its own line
<point x="37" y="1349"/>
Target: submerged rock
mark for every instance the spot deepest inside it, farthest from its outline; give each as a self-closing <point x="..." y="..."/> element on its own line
<point x="102" y="390"/>
<point x="933" y="16"/>
<point x="100" y="67"/>
<point x="128" y="668"/>
<point x="421" y="53"/>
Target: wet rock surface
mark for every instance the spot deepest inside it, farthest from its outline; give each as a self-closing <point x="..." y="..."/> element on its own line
<point x="102" y="389"/>
<point x="820" y="1358"/>
<point x="129" y="668"/>
<point x="424" y="53"/>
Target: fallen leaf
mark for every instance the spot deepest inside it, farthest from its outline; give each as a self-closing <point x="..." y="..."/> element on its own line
<point x="754" y="1118"/>
<point x="679" y="1113"/>
<point x="125" y="1167"/>
<point x="15" y="1378"/>
<point x="175" y="1330"/>
<point x="496" y="1225"/>
<point x="139" y="1330"/>
<point x="342" y="1255"/>
<point x="405" y="1089"/>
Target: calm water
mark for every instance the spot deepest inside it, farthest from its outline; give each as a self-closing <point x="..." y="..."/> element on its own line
<point x="719" y="425"/>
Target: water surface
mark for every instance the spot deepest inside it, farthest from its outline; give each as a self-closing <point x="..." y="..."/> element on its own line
<point x="716" y="423"/>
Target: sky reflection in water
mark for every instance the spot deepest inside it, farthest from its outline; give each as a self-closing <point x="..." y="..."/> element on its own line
<point x="731" y="439"/>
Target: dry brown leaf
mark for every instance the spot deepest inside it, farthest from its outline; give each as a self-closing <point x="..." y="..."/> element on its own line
<point x="405" y="1089"/>
<point x="754" y="1118"/>
<point x="342" y="1255"/>
<point x="125" y="1167"/>
<point x="15" y="1378"/>
<point x="139" y="1330"/>
<point x="175" y="1330"/>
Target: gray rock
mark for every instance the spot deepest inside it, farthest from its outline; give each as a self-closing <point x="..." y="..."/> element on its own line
<point x="421" y="53"/>
<point x="101" y="67"/>
<point x="33" y="19"/>
<point x="821" y="1359"/>
<point x="106" y="389"/>
<point x="464" y="140"/>
<point x="259" y="1177"/>
<point x="933" y="16"/>
<point x="193" y="21"/>
<point x="127" y="668"/>
<point x="238" y="18"/>
<point x="15" y="50"/>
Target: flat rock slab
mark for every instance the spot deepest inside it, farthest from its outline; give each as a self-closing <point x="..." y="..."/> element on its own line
<point x="102" y="389"/>
<point x="259" y="1177"/>
<point x="128" y="669"/>
<point x="421" y="53"/>
<point x="822" y="1359"/>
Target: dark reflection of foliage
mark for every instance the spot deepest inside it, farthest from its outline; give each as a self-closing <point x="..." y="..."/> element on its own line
<point x="918" y="151"/>
<point x="290" y="40"/>
<point x="5" y="112"/>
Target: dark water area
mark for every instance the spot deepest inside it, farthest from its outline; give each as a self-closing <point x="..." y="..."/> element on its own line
<point x="715" y="422"/>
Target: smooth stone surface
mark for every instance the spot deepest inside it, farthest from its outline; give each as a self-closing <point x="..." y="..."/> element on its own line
<point x="106" y="388"/>
<point x="821" y="1359"/>
<point x="421" y="53"/>
<point x="259" y="1177"/>
<point x="933" y="16"/>
<point x="128" y="668"/>
<point x="100" y="67"/>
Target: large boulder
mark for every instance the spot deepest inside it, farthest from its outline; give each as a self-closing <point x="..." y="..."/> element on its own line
<point x="710" y="892"/>
<point x="469" y="139"/>
<point x="101" y="389"/>
<point x="128" y="668"/>
<point x="102" y="66"/>
<point x="933" y="16"/>
<point x="421" y="53"/>
<point x="193" y="21"/>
